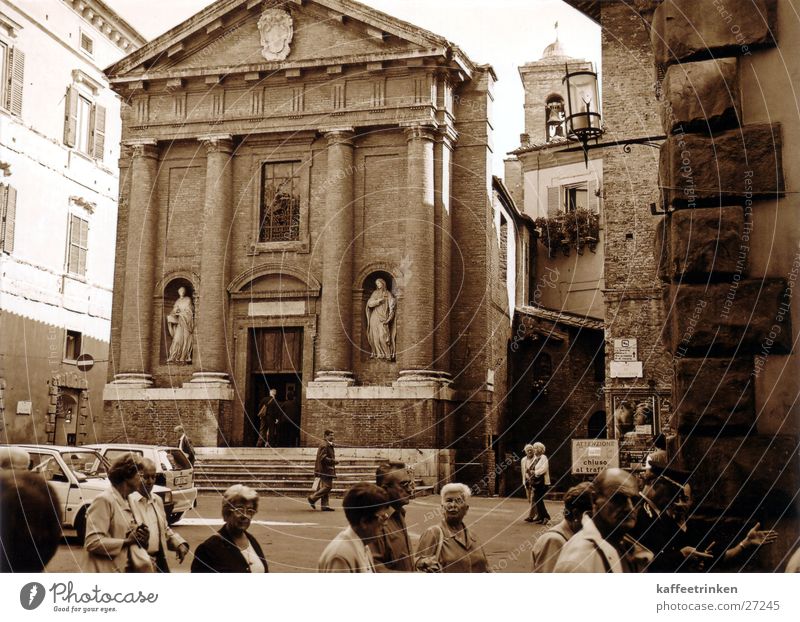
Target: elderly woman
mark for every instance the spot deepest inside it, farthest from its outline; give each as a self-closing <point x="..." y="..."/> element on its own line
<point x="539" y="478"/>
<point x="450" y="546"/>
<point x="111" y="530"/>
<point x="523" y="465"/>
<point x="232" y="549"/>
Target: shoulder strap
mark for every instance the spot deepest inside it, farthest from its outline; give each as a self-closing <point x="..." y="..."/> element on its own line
<point x="600" y="552"/>
<point x="440" y="544"/>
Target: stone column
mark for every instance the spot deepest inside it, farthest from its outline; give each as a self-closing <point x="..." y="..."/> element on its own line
<point x="416" y="306"/>
<point x="444" y="244"/>
<point x="137" y="311"/>
<point x="336" y="313"/>
<point x="210" y="329"/>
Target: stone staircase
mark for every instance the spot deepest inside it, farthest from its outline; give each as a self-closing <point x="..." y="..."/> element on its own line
<point x="280" y="471"/>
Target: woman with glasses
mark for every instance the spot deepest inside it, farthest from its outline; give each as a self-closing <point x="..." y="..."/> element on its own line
<point x="450" y="546"/>
<point x="232" y="549"/>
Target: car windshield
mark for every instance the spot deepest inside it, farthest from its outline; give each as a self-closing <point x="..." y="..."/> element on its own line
<point x="85" y="462"/>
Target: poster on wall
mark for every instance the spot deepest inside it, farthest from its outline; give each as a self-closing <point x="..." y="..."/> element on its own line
<point x="635" y="427"/>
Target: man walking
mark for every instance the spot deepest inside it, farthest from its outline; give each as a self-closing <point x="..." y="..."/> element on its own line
<point x="365" y="510"/>
<point x="268" y="415"/>
<point x="391" y="550"/>
<point x="601" y="545"/>
<point x="148" y="509"/>
<point x="184" y="444"/>
<point x="325" y="470"/>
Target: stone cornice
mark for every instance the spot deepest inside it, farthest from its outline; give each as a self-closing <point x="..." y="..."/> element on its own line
<point x="419" y="131"/>
<point x="144" y="148"/>
<point x="338" y="136"/>
<point x="116" y="29"/>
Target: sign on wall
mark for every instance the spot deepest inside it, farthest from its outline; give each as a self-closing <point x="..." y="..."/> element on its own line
<point x="635" y="425"/>
<point x="625" y="350"/>
<point x="590" y="456"/>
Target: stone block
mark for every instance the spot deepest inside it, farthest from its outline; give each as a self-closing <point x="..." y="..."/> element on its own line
<point x="743" y="476"/>
<point x="689" y="30"/>
<point x="734" y="166"/>
<point x="736" y="318"/>
<point x="706" y="243"/>
<point x="702" y="96"/>
<point x="714" y="396"/>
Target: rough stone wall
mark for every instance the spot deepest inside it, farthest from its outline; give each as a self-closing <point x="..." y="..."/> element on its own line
<point x="561" y="413"/>
<point x="630" y="185"/>
<point x="727" y="317"/>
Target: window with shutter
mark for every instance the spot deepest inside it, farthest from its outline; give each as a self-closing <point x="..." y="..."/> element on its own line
<point x="71" y="117"/>
<point x="16" y="81"/>
<point x="8" y="216"/>
<point x="98" y="131"/>
<point x="78" y="245"/>
<point x="592" y="197"/>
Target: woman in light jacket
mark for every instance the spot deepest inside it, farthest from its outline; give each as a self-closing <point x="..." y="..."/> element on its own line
<point x="110" y="526"/>
<point x="525" y="464"/>
<point x="540" y="482"/>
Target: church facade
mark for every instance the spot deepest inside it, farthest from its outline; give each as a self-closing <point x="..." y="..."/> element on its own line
<point x="306" y="206"/>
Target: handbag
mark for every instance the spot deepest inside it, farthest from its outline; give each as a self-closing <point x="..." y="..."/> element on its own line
<point x="139" y="560"/>
<point x="315" y="485"/>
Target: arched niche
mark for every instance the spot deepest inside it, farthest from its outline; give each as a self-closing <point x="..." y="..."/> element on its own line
<point x="375" y="367"/>
<point x="169" y="296"/>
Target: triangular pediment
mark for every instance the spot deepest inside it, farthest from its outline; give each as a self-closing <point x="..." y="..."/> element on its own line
<point x="231" y="34"/>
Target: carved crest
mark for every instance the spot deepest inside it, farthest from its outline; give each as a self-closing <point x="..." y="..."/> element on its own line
<point x="276" y="30"/>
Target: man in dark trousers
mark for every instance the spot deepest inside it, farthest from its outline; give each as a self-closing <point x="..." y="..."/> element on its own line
<point x="268" y="416"/>
<point x="325" y="470"/>
<point x="184" y="444"/>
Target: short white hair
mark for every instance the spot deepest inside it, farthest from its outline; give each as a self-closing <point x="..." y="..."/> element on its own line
<point x="539" y="446"/>
<point x="527" y="447"/>
<point x="463" y="489"/>
<point x="239" y="492"/>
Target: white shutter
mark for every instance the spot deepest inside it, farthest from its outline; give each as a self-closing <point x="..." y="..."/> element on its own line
<point x="16" y="81"/>
<point x="9" y="204"/>
<point x="71" y="117"/>
<point x="98" y="131"/>
<point x="592" y="200"/>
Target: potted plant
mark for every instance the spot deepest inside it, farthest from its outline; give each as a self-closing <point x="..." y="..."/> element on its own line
<point x="582" y="227"/>
<point x="551" y="233"/>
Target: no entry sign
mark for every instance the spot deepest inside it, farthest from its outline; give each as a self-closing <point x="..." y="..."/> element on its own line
<point x="84" y="362"/>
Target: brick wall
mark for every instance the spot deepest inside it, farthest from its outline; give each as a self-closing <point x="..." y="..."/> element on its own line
<point x="630" y="185"/>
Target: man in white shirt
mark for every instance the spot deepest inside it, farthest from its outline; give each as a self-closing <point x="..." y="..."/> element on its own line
<point x="365" y="510"/>
<point x="148" y="509"/>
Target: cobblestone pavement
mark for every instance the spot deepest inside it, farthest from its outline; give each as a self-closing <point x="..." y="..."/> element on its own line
<point x="293" y="536"/>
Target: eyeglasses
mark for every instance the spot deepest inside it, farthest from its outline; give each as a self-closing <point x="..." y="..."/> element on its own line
<point x="242" y="511"/>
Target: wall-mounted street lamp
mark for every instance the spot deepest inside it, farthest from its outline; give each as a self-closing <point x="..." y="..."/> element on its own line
<point x="584" y="122"/>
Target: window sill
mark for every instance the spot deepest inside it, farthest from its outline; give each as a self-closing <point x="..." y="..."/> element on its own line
<point x="298" y="246"/>
<point x="77" y="277"/>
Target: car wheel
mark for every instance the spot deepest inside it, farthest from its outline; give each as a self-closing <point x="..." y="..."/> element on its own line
<point x="80" y="526"/>
<point x="174" y="517"/>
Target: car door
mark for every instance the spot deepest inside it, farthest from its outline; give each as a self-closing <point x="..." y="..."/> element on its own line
<point x="48" y="464"/>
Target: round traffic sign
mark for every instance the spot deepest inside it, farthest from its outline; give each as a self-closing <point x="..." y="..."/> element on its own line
<point x="84" y="362"/>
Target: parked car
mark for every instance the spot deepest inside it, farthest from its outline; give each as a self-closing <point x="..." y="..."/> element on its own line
<point x="173" y="470"/>
<point x="77" y="475"/>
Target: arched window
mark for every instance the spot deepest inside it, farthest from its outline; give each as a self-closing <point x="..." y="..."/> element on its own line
<point x="555" y="117"/>
<point x="596" y="427"/>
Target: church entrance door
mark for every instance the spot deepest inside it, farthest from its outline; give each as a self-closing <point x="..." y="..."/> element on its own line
<point x="275" y="363"/>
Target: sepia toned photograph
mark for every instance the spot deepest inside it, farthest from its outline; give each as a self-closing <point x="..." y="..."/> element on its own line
<point x="383" y="286"/>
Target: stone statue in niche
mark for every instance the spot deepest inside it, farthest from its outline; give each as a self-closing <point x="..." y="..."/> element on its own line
<point x="180" y="324"/>
<point x="276" y="31"/>
<point x="381" y="325"/>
